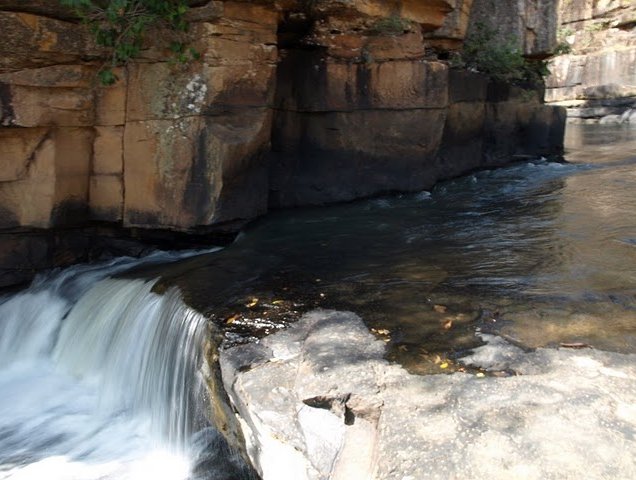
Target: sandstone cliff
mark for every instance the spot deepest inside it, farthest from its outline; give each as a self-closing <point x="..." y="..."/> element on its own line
<point x="596" y="77"/>
<point x="292" y="103"/>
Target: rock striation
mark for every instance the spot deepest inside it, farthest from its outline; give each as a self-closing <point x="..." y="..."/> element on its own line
<point x="318" y="401"/>
<point x="595" y="77"/>
<point x="292" y="103"/>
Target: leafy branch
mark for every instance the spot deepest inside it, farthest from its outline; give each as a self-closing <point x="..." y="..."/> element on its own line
<point x="501" y="59"/>
<point x="121" y="26"/>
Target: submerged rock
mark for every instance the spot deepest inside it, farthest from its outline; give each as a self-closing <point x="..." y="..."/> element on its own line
<point x="318" y="401"/>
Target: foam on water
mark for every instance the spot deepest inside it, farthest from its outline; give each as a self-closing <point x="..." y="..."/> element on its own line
<point x="100" y="378"/>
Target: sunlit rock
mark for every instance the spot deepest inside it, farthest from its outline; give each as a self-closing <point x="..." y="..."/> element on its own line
<point x="318" y="401"/>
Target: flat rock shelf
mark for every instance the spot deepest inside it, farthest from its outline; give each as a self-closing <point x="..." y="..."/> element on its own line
<point x="319" y="401"/>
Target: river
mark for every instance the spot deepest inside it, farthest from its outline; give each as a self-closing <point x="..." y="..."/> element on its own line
<point x="103" y="377"/>
<point x="541" y="252"/>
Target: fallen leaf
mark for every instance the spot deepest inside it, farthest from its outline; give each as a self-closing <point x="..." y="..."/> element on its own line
<point x="480" y="375"/>
<point x="448" y="323"/>
<point x="440" y="308"/>
<point x="232" y="319"/>
<point x="252" y="303"/>
<point x="444" y="365"/>
<point x="278" y="302"/>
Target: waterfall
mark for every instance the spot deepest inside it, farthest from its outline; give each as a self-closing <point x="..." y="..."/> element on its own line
<point x="100" y="378"/>
<point x="141" y="350"/>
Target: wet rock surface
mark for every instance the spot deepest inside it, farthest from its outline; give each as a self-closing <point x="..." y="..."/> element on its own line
<point x="317" y="401"/>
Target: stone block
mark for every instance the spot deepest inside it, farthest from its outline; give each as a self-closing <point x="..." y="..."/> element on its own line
<point x="37" y="107"/>
<point x="106" y="197"/>
<point x="108" y="150"/>
<point x="17" y="148"/>
<point x="31" y="41"/>
<point x="431" y="15"/>
<point x="574" y="11"/>
<point x="611" y="67"/>
<point x="54" y="189"/>
<point x="465" y="86"/>
<point x="312" y="83"/>
<point x="195" y="171"/>
<point x="251" y="14"/>
<point x="522" y="128"/>
<point x="351" y="45"/>
<point x="157" y="91"/>
<point x="56" y="95"/>
<point x="464" y="122"/>
<point x="339" y="156"/>
<point x="456" y="22"/>
<point x="110" y="101"/>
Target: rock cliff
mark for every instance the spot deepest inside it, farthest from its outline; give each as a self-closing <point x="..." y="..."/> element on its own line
<point x="595" y="77"/>
<point x="292" y="103"/>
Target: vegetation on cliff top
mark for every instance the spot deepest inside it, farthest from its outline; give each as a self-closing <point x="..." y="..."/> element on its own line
<point x="502" y="59"/>
<point x="121" y="25"/>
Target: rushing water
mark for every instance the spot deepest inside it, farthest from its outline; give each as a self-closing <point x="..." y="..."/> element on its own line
<point x="101" y="378"/>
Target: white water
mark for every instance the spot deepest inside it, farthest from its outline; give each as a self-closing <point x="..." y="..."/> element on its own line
<point x="99" y="378"/>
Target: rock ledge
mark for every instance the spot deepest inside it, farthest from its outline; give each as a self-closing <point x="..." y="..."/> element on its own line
<point x="318" y="401"/>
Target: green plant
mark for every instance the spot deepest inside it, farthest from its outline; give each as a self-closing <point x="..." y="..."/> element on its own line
<point x="563" y="45"/>
<point x="597" y="27"/>
<point x="121" y="25"/>
<point x="562" y="48"/>
<point x="500" y="58"/>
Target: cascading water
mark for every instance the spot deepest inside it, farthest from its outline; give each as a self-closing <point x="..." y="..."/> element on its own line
<point x="101" y="378"/>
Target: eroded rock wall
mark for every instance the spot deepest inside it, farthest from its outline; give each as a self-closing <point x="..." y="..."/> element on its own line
<point x="530" y="24"/>
<point x="596" y="76"/>
<point x="292" y="103"/>
<point x="365" y="105"/>
<point x="169" y="146"/>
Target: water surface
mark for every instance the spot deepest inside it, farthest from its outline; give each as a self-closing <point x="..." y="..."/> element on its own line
<point x="541" y="252"/>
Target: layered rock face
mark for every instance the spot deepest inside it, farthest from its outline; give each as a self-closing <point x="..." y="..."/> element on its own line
<point x="531" y="24"/>
<point x="291" y="103"/>
<point x="364" y="105"/>
<point x="596" y="78"/>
